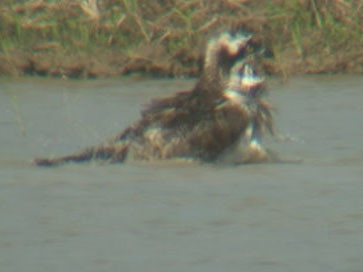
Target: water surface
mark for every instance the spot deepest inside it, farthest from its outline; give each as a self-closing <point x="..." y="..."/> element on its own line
<point x="92" y="217"/>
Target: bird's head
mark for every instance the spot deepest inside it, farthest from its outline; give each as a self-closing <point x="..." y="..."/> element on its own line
<point x="223" y="51"/>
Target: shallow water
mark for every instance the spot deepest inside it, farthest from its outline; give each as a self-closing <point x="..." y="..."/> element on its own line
<point x="91" y="217"/>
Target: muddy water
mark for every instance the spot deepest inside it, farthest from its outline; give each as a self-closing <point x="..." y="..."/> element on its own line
<point x="269" y="217"/>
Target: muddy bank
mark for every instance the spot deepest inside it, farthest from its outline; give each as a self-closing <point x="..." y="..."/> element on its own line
<point x="166" y="38"/>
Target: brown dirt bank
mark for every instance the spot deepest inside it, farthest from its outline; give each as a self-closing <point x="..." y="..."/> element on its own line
<point x="167" y="38"/>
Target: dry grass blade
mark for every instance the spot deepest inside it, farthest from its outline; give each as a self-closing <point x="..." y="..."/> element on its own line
<point x="91" y="9"/>
<point x="208" y="25"/>
<point x="140" y="24"/>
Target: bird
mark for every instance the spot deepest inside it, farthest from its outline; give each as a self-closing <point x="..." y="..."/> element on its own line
<point x="223" y="110"/>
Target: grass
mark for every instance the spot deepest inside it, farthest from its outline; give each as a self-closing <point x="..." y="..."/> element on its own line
<point x="89" y="38"/>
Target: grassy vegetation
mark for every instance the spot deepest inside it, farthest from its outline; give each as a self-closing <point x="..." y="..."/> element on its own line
<point x="90" y="38"/>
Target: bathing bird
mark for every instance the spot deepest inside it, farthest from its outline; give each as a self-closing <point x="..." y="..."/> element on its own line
<point x="225" y="109"/>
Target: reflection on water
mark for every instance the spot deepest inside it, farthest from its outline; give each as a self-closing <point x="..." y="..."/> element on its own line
<point x="268" y="217"/>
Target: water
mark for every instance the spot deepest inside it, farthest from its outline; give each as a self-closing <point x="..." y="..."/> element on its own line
<point x="140" y="217"/>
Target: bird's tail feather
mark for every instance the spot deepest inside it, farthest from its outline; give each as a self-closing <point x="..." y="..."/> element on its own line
<point x="115" y="152"/>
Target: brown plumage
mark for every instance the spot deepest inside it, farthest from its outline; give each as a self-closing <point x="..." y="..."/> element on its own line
<point x="221" y="111"/>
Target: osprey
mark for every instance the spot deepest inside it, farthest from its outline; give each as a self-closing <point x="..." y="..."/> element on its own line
<point x="222" y="111"/>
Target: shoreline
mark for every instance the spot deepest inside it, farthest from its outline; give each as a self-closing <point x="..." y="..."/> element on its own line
<point x="91" y="39"/>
